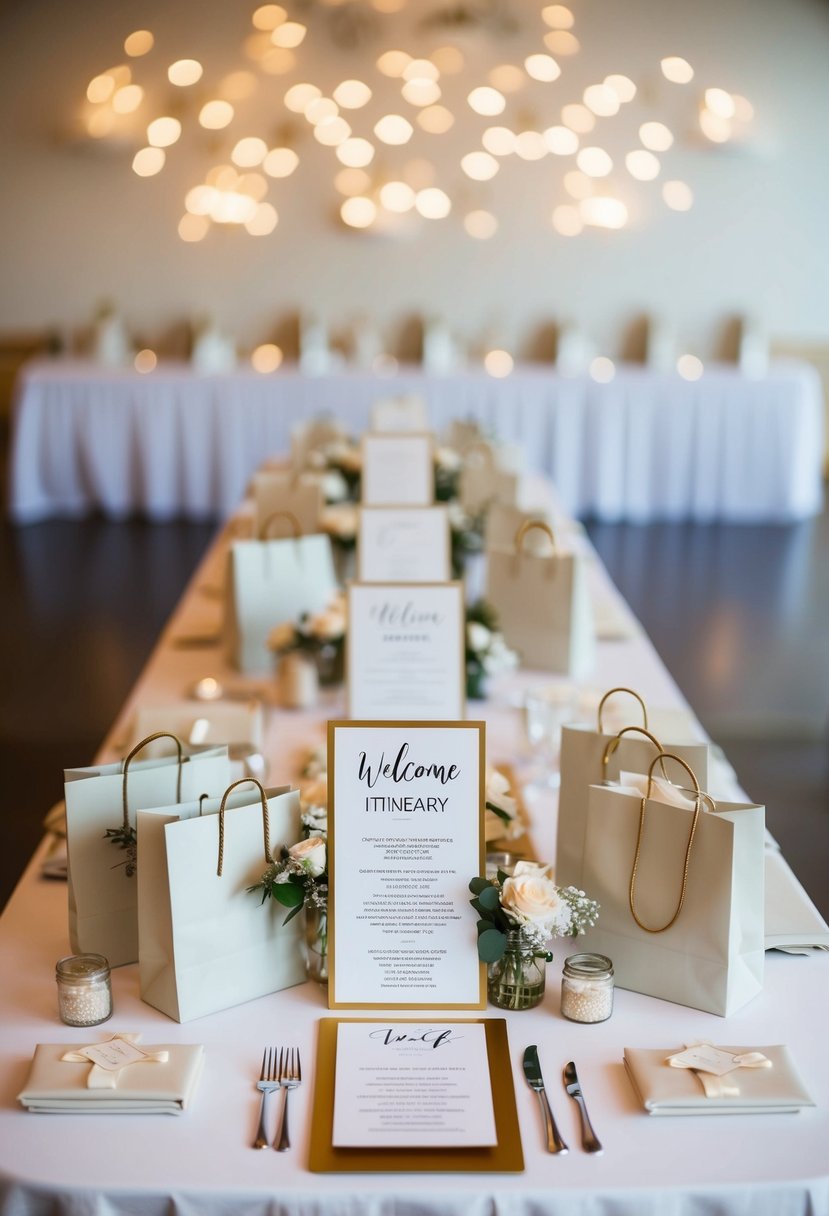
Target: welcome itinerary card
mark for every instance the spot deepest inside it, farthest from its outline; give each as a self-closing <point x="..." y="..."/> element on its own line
<point x="405" y="817"/>
<point x="406" y="650"/>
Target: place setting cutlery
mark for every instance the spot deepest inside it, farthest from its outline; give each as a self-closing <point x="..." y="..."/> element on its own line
<point x="281" y="1069"/>
<point x="555" y="1143"/>
<point x="589" y="1140"/>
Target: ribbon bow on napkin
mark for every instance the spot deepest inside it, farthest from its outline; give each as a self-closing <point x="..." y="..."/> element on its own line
<point x="711" y="1065"/>
<point x="110" y="1056"/>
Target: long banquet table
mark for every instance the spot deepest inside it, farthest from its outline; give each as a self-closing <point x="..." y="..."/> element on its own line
<point x="765" y="1165"/>
<point x="644" y="446"/>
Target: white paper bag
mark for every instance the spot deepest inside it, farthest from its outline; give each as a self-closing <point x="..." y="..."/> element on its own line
<point x="589" y="757"/>
<point x="681" y="895"/>
<point x="271" y="581"/>
<point x="483" y="481"/>
<point x="205" y="941"/>
<point x="543" y="605"/>
<point x="103" y="896"/>
<point x="280" y="494"/>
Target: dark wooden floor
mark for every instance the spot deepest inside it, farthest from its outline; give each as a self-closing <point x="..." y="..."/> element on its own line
<point x="739" y="614"/>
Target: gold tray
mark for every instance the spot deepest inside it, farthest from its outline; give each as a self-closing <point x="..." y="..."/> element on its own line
<point x="504" y="1157"/>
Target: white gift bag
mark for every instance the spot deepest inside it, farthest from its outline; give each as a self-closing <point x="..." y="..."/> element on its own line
<point x="205" y="941"/>
<point x="101" y="800"/>
<point x="271" y="581"/>
<point x="483" y="481"/>
<point x="280" y="494"/>
<point x="543" y="604"/>
<point x="592" y="756"/>
<point x="681" y="893"/>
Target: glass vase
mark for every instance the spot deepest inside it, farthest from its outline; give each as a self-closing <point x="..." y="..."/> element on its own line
<point x="330" y="660"/>
<point x="316" y="943"/>
<point x="516" y="980"/>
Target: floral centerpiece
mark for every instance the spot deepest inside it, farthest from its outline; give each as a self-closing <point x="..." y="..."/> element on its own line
<point x="501" y="817"/>
<point x="487" y="653"/>
<point x="298" y="880"/>
<point x="319" y="635"/>
<point x="517" y="916"/>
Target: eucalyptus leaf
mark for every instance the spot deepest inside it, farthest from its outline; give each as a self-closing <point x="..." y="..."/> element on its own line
<point x="490" y="898"/>
<point x="478" y="884"/>
<point x="491" y="946"/>
<point x="294" y="911"/>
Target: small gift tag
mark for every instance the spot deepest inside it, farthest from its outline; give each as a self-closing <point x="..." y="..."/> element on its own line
<point x="706" y="1058"/>
<point x="114" y="1055"/>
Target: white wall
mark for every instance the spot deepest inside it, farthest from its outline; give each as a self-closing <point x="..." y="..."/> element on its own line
<point x="78" y="225"/>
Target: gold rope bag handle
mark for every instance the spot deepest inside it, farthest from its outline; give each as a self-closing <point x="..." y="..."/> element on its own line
<point x="617" y="739"/>
<point x="266" y="826"/>
<point x="612" y="692"/>
<point x="698" y="799"/>
<point x="159" y="734"/>
<point x="530" y="525"/>
<point x="291" y="518"/>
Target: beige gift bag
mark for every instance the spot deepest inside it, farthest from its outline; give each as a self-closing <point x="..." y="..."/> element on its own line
<point x="681" y="893"/>
<point x="591" y="756"/>
<point x="205" y="941"/>
<point x="482" y="481"/>
<point x="287" y="493"/>
<point x="271" y="581"/>
<point x="503" y="521"/>
<point x="100" y="833"/>
<point x="543" y="604"/>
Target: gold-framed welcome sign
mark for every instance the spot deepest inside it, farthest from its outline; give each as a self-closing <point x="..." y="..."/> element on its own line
<point x="406" y="833"/>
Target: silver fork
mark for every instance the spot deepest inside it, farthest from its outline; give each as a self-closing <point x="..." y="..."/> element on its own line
<point x="268" y="1082"/>
<point x="290" y="1076"/>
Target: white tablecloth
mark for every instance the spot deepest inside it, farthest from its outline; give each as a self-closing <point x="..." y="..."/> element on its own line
<point x="646" y="446"/>
<point x="770" y="1165"/>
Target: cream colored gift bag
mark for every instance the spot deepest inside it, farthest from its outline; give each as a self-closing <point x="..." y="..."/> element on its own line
<point x="592" y="756"/>
<point x="101" y="802"/>
<point x="680" y="890"/>
<point x="271" y="581"/>
<point x="279" y="493"/>
<point x="543" y="604"/>
<point x="484" y="481"/>
<point x="205" y="941"/>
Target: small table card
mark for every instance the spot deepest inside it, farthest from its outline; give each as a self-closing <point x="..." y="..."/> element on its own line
<point x="403" y="545"/>
<point x="406" y="651"/>
<point x="405" y="813"/>
<point x="412" y="1085"/>
<point x="398" y="470"/>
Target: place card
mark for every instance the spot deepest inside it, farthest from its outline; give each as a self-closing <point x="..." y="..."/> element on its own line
<point x="406" y="654"/>
<point x="404" y="544"/>
<point x="398" y="470"/>
<point x="405" y="816"/>
<point x="415" y="1085"/>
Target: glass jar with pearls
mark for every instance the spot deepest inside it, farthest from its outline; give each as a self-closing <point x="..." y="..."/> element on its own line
<point x="587" y="988"/>
<point x="84" y="990"/>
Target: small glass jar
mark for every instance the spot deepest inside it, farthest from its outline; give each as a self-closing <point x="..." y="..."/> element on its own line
<point x="84" y="990"/>
<point x="587" y="988"/>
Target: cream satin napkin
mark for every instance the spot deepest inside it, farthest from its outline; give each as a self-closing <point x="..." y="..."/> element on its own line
<point x="155" y="1086"/>
<point x="662" y="1089"/>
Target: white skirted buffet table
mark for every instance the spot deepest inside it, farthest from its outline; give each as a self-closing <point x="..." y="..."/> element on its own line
<point x="202" y="1162"/>
<point x="645" y="446"/>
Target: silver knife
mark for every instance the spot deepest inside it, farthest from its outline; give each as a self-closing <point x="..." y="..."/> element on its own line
<point x="532" y="1071"/>
<point x="589" y="1140"/>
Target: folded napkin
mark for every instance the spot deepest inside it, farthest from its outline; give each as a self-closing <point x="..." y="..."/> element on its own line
<point x="793" y="923"/>
<point x="757" y="1087"/>
<point x="162" y="1082"/>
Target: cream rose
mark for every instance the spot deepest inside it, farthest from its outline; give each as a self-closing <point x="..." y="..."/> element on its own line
<point x="326" y="626"/>
<point x="282" y="637"/>
<point x="311" y="855"/>
<point x="531" y="898"/>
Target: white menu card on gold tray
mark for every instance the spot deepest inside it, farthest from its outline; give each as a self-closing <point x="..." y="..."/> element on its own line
<point x="412" y="1085"/>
